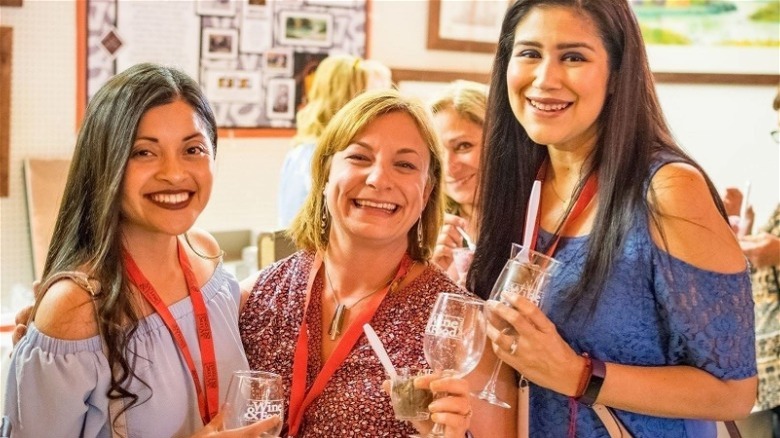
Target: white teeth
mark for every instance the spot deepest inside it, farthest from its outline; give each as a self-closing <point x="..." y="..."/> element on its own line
<point x="548" y="107"/>
<point x="383" y="205"/>
<point x="170" y="199"/>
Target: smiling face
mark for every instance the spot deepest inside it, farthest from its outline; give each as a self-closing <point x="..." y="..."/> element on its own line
<point x="462" y="141"/>
<point x="170" y="172"/>
<point x="558" y="77"/>
<point x="378" y="185"/>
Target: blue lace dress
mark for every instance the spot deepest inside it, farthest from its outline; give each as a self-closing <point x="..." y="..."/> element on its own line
<point x="654" y="310"/>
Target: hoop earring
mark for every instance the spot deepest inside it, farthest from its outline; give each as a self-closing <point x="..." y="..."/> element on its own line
<point x="324" y="218"/>
<point x="420" y="232"/>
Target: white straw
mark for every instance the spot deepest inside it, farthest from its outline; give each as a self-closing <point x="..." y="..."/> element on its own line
<point x="530" y="220"/>
<point x="472" y="246"/>
<point x="379" y="350"/>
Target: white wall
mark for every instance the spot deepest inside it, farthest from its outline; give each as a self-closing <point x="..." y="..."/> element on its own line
<point x="725" y="127"/>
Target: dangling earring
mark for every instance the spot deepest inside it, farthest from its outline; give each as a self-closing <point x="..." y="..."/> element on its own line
<point x="324" y="217"/>
<point x="420" y="233"/>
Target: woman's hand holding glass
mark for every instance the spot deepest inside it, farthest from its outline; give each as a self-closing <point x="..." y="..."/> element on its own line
<point x="540" y="353"/>
<point x="449" y="238"/>
<point x="452" y="410"/>
<point x="215" y="428"/>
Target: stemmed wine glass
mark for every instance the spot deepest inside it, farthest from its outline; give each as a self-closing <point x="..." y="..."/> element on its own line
<point x="253" y="396"/>
<point x="454" y="338"/>
<point x="526" y="273"/>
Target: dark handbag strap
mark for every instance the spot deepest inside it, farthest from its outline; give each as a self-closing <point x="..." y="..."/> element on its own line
<point x="116" y="414"/>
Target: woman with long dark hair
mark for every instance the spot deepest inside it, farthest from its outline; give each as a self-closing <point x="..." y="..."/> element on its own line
<point x="651" y="314"/>
<point x="135" y="329"/>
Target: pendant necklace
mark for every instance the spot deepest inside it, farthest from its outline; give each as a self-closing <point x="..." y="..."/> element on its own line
<point x="565" y="202"/>
<point x="337" y="320"/>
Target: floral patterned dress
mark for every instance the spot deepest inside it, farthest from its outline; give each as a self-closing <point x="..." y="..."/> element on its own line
<point x="353" y="403"/>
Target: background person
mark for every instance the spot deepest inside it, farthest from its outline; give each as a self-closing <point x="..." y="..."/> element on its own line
<point x="142" y="172"/>
<point x="459" y="115"/>
<point x="367" y="231"/>
<point x="337" y="80"/>
<point x="763" y="251"/>
<point x="653" y="283"/>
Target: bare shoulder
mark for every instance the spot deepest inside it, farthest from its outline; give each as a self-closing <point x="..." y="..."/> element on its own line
<point x="66" y="312"/>
<point x="691" y="227"/>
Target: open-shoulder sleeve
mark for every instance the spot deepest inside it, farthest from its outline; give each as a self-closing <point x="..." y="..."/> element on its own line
<point x="51" y="386"/>
<point x="709" y="317"/>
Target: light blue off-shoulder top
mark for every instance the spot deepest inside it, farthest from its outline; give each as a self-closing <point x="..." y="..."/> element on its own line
<point x="58" y="387"/>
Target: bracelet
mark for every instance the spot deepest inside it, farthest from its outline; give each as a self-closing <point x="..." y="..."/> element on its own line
<point x="585" y="378"/>
<point x="596" y="379"/>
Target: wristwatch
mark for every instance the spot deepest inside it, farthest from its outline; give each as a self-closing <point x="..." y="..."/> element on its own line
<point x="597" y="374"/>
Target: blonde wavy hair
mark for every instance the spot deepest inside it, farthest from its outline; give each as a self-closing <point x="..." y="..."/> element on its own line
<point x="337" y="80"/>
<point x="306" y="228"/>
<point x="469" y="100"/>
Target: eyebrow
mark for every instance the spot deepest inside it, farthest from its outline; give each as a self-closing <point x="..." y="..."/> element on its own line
<point x="156" y="140"/>
<point x="402" y="151"/>
<point x="561" y="46"/>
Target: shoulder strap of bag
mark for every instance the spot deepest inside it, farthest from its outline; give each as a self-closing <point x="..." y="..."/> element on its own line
<point x="116" y="415"/>
<point x="616" y="429"/>
<point x="611" y="422"/>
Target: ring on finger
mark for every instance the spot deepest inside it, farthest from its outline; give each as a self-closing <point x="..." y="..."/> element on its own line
<point x="513" y="347"/>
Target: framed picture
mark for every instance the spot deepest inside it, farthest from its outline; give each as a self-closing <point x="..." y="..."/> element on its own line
<point x="222" y="8"/>
<point x="233" y="86"/>
<point x="301" y="28"/>
<point x="280" y="99"/>
<point x="220" y="43"/>
<point x="711" y="38"/>
<point x="256" y="8"/>
<point x="465" y="25"/>
<point x="278" y="62"/>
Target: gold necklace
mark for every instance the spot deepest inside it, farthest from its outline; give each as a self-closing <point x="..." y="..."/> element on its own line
<point x="564" y="201"/>
<point x="200" y="254"/>
<point x="337" y="320"/>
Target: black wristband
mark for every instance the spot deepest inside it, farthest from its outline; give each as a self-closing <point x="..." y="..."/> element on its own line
<point x="597" y="374"/>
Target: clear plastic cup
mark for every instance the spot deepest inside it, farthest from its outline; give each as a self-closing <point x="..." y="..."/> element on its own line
<point x="409" y="403"/>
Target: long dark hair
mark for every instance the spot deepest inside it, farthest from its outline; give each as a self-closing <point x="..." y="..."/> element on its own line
<point x="632" y="130"/>
<point x="86" y="236"/>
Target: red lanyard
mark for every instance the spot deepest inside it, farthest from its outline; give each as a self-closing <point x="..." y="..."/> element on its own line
<point x="300" y="399"/>
<point x="582" y="201"/>
<point x="208" y="404"/>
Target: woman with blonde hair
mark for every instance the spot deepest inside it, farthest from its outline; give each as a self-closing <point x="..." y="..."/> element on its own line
<point x="337" y="80"/>
<point x="367" y="232"/>
<point x="459" y="116"/>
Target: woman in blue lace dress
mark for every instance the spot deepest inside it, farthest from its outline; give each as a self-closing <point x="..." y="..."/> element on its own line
<point x="651" y="314"/>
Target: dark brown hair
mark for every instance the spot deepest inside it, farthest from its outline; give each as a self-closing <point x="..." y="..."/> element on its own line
<point x="632" y="130"/>
<point x="86" y="235"/>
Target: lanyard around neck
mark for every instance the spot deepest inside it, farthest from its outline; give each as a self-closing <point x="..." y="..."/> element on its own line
<point x="583" y="199"/>
<point x="208" y="403"/>
<point x="300" y="399"/>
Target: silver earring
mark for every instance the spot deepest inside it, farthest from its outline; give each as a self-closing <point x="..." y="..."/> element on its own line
<point x="420" y="232"/>
<point x="324" y="217"/>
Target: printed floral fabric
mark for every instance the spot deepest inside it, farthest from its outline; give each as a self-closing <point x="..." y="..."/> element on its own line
<point x="353" y="403"/>
<point x="766" y="294"/>
<point x="654" y="310"/>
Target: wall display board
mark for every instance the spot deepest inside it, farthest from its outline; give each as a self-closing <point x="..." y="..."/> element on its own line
<point x="252" y="57"/>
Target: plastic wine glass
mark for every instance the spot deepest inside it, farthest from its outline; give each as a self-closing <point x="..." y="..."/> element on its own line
<point x="454" y="338"/>
<point x="253" y="396"/>
<point x="527" y="274"/>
